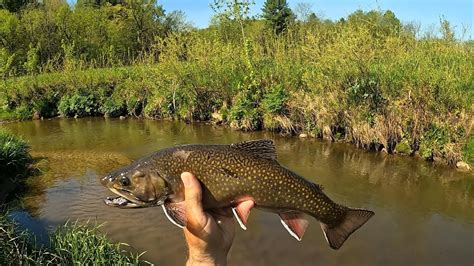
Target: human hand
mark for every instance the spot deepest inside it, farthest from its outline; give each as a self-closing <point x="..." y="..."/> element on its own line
<point x="209" y="234"/>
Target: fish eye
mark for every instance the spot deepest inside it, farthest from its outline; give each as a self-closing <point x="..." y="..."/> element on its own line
<point x="124" y="181"/>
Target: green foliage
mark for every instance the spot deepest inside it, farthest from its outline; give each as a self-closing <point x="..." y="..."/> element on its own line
<point x="32" y="60"/>
<point x="367" y="79"/>
<point x="13" y="5"/>
<point x="70" y="244"/>
<point x="469" y="150"/>
<point x="78" y="105"/>
<point x="14" y="155"/>
<point x="278" y="15"/>
<point x="83" y="244"/>
<point x="113" y="107"/>
<point x="51" y="35"/>
<point x="229" y="12"/>
<point x="434" y="140"/>
<point x="404" y="147"/>
<point x="275" y="100"/>
<point x="245" y="113"/>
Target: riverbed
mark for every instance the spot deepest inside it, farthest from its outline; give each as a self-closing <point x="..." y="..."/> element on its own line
<point x="424" y="212"/>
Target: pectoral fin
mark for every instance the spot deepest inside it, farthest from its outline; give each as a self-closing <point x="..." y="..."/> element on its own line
<point x="176" y="213"/>
<point x="242" y="211"/>
<point x="295" y="223"/>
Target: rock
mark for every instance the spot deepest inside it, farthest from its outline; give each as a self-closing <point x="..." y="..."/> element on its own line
<point x="36" y="115"/>
<point x="463" y="166"/>
<point x="122" y="117"/>
<point x="303" y="135"/>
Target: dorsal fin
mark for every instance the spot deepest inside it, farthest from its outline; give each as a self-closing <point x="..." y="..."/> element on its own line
<point x="262" y="148"/>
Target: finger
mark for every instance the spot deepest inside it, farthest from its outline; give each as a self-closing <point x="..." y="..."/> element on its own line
<point x="243" y="210"/>
<point x="195" y="216"/>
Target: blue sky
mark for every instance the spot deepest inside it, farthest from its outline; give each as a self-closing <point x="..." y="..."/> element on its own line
<point x="425" y="12"/>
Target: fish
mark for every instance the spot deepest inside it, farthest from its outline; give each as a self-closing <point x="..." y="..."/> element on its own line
<point x="230" y="174"/>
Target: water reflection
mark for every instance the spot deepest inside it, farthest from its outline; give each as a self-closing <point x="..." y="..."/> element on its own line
<point x="424" y="213"/>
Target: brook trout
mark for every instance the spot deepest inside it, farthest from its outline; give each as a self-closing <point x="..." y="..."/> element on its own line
<point x="230" y="174"/>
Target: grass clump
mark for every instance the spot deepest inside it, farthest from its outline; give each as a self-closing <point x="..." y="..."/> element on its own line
<point x="84" y="244"/>
<point x="14" y="154"/>
<point x="70" y="244"/>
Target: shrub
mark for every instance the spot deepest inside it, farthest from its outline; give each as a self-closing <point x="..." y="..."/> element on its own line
<point x="78" y="105"/>
<point x="113" y="107"/>
<point x="274" y="102"/>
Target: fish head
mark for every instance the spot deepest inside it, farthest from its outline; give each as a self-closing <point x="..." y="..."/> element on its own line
<point x="136" y="186"/>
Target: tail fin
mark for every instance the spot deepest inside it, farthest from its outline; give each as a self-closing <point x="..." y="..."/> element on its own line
<point x="337" y="234"/>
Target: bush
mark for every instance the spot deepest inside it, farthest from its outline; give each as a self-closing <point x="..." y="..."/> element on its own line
<point x="113" y="107"/>
<point x="78" y="105"/>
<point x="274" y="102"/>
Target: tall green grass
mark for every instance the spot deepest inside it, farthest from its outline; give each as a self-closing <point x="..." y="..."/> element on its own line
<point x="71" y="244"/>
<point x="14" y="155"/>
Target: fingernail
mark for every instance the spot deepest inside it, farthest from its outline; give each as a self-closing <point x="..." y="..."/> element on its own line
<point x="185" y="179"/>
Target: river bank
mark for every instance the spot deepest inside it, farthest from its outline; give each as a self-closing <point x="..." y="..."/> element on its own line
<point x="402" y="150"/>
<point x="368" y="80"/>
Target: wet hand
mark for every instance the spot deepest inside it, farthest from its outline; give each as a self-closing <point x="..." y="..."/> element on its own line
<point x="209" y="234"/>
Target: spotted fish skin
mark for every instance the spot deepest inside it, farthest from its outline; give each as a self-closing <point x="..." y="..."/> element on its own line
<point x="233" y="173"/>
<point x="230" y="175"/>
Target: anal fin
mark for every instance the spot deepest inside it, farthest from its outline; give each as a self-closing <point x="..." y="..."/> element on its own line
<point x="176" y="213"/>
<point x="295" y="223"/>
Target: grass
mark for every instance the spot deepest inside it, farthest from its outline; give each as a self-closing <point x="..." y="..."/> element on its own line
<point x="14" y="155"/>
<point x="70" y="244"/>
<point x="469" y="150"/>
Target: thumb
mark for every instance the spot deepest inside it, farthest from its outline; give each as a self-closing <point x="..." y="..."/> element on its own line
<point x="195" y="216"/>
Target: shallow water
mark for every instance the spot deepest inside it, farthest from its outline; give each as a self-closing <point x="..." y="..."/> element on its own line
<point x="424" y="213"/>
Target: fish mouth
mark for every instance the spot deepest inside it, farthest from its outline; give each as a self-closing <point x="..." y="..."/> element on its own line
<point x="126" y="199"/>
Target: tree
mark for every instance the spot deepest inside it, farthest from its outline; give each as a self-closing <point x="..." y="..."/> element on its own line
<point x="232" y="11"/>
<point x="380" y="23"/>
<point x="98" y="3"/>
<point x="277" y="14"/>
<point x="303" y="11"/>
<point x="13" y="5"/>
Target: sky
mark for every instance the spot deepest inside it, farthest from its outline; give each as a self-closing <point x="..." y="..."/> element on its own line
<point x="427" y="13"/>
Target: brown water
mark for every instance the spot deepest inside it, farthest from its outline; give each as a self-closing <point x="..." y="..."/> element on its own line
<point x="424" y="213"/>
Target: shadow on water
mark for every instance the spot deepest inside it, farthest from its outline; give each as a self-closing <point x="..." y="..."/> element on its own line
<point x="424" y="213"/>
